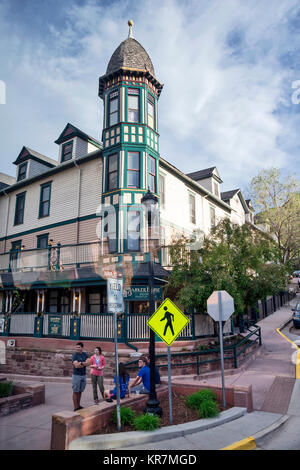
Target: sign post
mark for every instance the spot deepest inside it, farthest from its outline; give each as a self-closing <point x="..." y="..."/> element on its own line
<point x="220" y="306"/>
<point x="167" y="322"/>
<point x="115" y="305"/>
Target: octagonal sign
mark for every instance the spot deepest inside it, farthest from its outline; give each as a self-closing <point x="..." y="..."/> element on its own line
<point x="220" y="301"/>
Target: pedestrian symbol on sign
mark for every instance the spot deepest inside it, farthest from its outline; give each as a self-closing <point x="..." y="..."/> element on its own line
<point x="169" y="317"/>
<point x="168" y="321"/>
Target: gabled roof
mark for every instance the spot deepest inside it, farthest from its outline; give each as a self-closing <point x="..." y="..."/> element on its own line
<point x="72" y="131"/>
<point x="3" y="186"/>
<point x="227" y="195"/>
<point x="206" y="173"/>
<point x="27" y="154"/>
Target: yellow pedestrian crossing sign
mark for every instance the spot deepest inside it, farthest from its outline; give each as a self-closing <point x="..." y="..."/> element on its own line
<point x="168" y="321"/>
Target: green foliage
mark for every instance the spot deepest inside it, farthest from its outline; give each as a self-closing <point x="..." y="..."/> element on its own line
<point x="194" y="400"/>
<point x="238" y="259"/>
<point x="208" y="409"/>
<point x="6" y="389"/>
<point x="146" y="422"/>
<point x="127" y="416"/>
<point x="277" y="201"/>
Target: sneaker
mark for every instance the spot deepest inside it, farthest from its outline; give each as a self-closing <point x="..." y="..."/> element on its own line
<point x="109" y="400"/>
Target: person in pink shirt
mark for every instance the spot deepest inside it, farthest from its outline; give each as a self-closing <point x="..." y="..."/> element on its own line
<point x="97" y="365"/>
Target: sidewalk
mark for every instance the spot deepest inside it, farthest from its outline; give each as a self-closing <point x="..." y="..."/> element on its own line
<point x="271" y="373"/>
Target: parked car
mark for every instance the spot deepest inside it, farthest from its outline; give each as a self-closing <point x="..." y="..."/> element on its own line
<point x="296" y="273"/>
<point x="296" y="315"/>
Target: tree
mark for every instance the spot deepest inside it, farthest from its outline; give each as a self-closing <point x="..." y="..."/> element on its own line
<point x="238" y="259"/>
<point x="277" y="200"/>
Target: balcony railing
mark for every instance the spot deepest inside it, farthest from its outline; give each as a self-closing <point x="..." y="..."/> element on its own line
<point x="59" y="257"/>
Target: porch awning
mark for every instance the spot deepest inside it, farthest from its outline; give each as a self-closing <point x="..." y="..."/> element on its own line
<point x="50" y="279"/>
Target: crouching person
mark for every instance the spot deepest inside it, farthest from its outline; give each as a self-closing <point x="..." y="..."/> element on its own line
<point x="124" y="378"/>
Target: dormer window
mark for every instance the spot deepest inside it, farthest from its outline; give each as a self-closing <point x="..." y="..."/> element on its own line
<point x="66" y="151"/>
<point x="216" y="189"/>
<point x="22" y="171"/>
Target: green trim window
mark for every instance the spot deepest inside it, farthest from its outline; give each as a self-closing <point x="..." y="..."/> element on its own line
<point x="110" y="231"/>
<point x="16" y="247"/>
<point x="133" y="105"/>
<point x="151" y="111"/>
<point x="22" y="171"/>
<point x="133" y="230"/>
<point x="66" y="151"/>
<point x="112" y="172"/>
<point x="20" y="207"/>
<point x="42" y="241"/>
<point x="192" y="206"/>
<point x="133" y="170"/>
<point x="152" y="174"/>
<point x="45" y="196"/>
<point x="113" y="108"/>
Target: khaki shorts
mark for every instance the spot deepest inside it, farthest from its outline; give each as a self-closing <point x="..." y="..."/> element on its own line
<point x="78" y="383"/>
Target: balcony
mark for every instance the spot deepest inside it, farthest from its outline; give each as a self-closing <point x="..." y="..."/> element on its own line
<point x="63" y="257"/>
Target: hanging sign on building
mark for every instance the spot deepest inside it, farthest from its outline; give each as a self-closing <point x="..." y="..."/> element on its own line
<point x="54" y="325"/>
<point x="142" y="293"/>
<point x="168" y="321"/>
<point x="115" y="302"/>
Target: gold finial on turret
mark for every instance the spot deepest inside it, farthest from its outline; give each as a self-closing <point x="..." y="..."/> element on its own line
<point x="130" y="24"/>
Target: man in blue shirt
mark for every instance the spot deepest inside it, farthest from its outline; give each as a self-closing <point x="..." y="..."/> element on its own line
<point x="141" y="383"/>
<point x="80" y="360"/>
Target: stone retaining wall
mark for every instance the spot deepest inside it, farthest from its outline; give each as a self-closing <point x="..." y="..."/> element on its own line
<point x="24" y="396"/>
<point x="68" y="426"/>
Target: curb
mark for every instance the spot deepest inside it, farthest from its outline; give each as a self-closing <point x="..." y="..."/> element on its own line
<point x="252" y="442"/>
<point x="119" y="440"/>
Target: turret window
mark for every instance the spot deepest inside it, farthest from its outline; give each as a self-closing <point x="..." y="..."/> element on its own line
<point x="133" y="170"/>
<point x="113" y="108"/>
<point x="112" y="173"/>
<point x="133" y="105"/>
<point x="152" y="174"/>
<point x="133" y="231"/>
<point x="151" y="112"/>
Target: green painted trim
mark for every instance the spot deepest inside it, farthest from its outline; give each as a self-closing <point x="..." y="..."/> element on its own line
<point x="57" y="169"/>
<point x="43" y="186"/>
<point x="17" y="197"/>
<point x="50" y="226"/>
<point x="19" y="170"/>
<point x="62" y="150"/>
<point x="40" y="237"/>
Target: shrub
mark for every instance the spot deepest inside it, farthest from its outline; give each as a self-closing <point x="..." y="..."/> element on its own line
<point x="208" y="409"/>
<point x="194" y="400"/>
<point x="127" y="416"/>
<point x="146" y="422"/>
<point x="6" y="389"/>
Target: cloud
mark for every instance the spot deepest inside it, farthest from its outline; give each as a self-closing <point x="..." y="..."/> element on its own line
<point x="224" y="65"/>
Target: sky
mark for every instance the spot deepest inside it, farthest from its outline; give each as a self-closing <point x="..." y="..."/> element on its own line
<point x="230" y="69"/>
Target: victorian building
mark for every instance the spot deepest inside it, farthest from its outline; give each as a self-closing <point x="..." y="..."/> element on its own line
<point x="67" y="225"/>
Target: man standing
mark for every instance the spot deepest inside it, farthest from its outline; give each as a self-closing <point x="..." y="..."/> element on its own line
<point x="80" y="360"/>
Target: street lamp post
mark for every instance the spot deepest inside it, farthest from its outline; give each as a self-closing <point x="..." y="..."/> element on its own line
<point x="152" y="407"/>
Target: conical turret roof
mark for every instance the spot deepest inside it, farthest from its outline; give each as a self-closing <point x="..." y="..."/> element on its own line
<point x="130" y="54"/>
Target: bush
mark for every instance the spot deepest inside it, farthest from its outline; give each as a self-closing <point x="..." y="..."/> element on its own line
<point x="194" y="400"/>
<point x="127" y="416"/>
<point x="6" y="389"/>
<point x="146" y="422"/>
<point x="208" y="409"/>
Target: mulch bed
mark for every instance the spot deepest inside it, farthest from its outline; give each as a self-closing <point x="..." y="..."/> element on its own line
<point x="181" y="414"/>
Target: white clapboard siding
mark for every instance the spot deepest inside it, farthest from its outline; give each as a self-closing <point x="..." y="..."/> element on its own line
<point x="91" y="187"/>
<point x="64" y="198"/>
